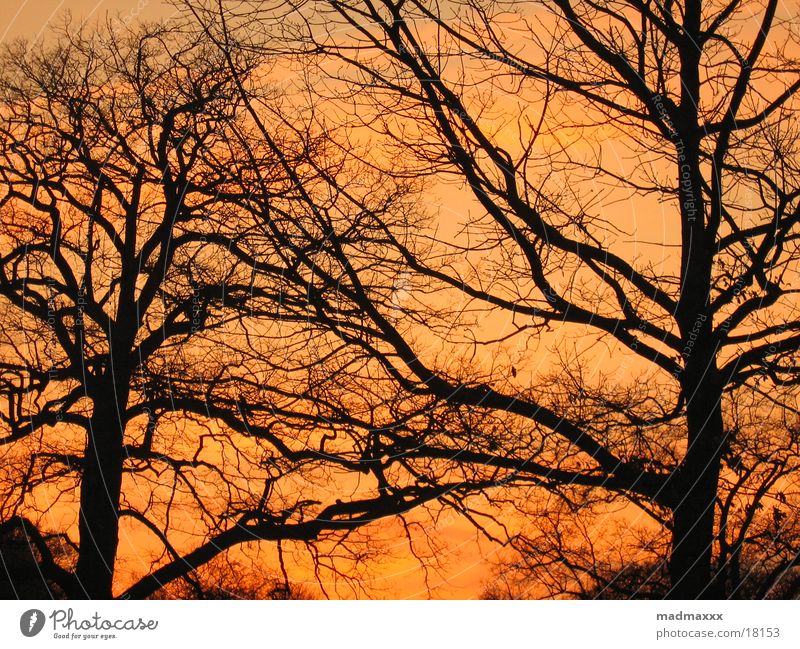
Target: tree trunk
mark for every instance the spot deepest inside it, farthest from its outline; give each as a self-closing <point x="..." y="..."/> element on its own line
<point x="696" y="479"/>
<point x="100" y="494"/>
<point x="690" y="564"/>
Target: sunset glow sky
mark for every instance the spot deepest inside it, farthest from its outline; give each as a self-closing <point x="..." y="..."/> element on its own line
<point x="643" y="229"/>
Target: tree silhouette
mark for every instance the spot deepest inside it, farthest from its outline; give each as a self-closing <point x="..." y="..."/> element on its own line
<point x="156" y="365"/>
<point x="229" y="300"/>
<point x="112" y="263"/>
<point x="634" y="176"/>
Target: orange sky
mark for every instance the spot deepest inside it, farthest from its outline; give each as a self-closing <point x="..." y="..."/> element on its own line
<point x="466" y="560"/>
<point x="30" y="17"/>
<point x="463" y="557"/>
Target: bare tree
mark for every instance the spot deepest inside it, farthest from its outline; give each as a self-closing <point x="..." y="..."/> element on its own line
<point x="156" y="365"/>
<point x="221" y="301"/>
<point x="106" y="277"/>
<point x="575" y="126"/>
